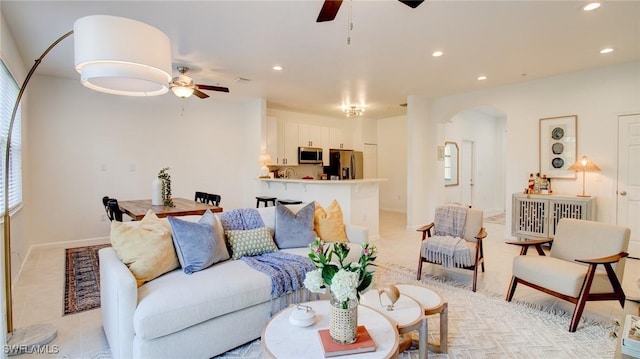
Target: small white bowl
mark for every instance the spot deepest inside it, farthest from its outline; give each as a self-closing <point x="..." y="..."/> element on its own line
<point x="302" y="316"/>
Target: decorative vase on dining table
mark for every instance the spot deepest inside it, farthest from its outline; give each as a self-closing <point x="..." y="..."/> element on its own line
<point x="343" y="322"/>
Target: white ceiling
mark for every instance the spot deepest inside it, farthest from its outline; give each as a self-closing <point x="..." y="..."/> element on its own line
<point x="389" y="57"/>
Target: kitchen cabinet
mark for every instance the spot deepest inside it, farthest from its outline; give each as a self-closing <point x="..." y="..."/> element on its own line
<point x="282" y="142"/>
<point x="338" y="139"/>
<point x="310" y="135"/>
<point x="537" y="216"/>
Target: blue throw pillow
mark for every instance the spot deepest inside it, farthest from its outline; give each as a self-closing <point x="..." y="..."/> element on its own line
<point x="295" y="230"/>
<point x="198" y="245"/>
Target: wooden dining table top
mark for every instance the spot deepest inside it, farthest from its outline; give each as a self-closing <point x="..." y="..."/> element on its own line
<point x="136" y="209"/>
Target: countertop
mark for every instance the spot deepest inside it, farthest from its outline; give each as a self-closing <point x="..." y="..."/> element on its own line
<point x="316" y="181"/>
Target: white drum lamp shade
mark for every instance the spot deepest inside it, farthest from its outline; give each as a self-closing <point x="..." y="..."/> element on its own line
<point x="122" y="56"/>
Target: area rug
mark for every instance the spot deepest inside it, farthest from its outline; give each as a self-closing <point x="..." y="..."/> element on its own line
<point x="82" y="279"/>
<point x="486" y="326"/>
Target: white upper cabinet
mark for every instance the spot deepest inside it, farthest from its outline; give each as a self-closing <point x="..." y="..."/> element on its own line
<point x="282" y="142"/>
<point x="310" y="135"/>
<point x="339" y="139"/>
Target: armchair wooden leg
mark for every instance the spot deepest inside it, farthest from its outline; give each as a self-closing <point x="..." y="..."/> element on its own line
<point x="512" y="288"/>
<point x="475" y="277"/>
<point x="419" y="268"/>
<point x="582" y="299"/>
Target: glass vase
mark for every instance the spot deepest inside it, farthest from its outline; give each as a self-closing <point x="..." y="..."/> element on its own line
<point x="343" y="323"/>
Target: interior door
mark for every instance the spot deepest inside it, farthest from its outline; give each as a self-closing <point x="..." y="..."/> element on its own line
<point x="370" y="160"/>
<point x="466" y="172"/>
<point x="629" y="178"/>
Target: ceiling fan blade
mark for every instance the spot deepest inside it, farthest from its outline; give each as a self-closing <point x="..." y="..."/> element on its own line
<point x="213" y="88"/>
<point x="329" y="10"/>
<point x="200" y="93"/>
<point x="412" y="3"/>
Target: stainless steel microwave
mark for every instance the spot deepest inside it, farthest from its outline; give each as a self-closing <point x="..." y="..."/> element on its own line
<point x="309" y="155"/>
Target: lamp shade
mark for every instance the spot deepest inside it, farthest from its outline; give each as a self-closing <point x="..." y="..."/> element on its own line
<point x="122" y="56"/>
<point x="182" y="91"/>
<point x="584" y="164"/>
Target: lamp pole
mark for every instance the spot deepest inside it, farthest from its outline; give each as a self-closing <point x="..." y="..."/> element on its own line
<point x="37" y="334"/>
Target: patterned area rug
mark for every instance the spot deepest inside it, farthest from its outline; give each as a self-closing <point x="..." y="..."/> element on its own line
<point x="82" y="279"/>
<point x="486" y="326"/>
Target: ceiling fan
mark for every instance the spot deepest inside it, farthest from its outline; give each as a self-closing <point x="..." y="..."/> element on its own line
<point x="330" y="8"/>
<point x="183" y="86"/>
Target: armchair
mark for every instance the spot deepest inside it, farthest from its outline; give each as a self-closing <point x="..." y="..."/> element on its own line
<point x="570" y="272"/>
<point x="473" y="235"/>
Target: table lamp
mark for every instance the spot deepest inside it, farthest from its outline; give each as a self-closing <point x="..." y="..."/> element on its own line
<point x="264" y="170"/>
<point x="584" y="164"/>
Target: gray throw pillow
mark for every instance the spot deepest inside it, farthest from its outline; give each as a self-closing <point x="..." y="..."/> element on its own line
<point x="198" y="245"/>
<point x="294" y="230"/>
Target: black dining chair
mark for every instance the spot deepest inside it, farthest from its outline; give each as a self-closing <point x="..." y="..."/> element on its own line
<point x="201" y="197"/>
<point x="113" y="210"/>
<point x="214" y="199"/>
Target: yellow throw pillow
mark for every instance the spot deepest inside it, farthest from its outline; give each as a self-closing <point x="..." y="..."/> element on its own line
<point x="329" y="224"/>
<point x="147" y="249"/>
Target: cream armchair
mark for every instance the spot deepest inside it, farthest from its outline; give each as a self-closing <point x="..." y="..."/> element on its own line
<point x="474" y="233"/>
<point x="585" y="263"/>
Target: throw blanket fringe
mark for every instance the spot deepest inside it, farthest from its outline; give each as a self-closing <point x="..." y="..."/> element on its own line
<point x="449" y="220"/>
<point x="287" y="272"/>
<point x="448" y="251"/>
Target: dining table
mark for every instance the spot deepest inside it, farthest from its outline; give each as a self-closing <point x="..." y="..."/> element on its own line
<point x="136" y="209"/>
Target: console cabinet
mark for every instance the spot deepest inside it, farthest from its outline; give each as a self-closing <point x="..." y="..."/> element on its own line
<point x="537" y="216"/>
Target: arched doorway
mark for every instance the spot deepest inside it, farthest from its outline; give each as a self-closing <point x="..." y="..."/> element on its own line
<point x="480" y="133"/>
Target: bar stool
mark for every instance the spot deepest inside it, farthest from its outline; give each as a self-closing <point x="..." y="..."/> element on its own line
<point x="265" y="200"/>
<point x="289" y="201"/>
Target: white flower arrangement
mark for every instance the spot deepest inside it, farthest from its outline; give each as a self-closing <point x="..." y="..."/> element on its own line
<point x="346" y="281"/>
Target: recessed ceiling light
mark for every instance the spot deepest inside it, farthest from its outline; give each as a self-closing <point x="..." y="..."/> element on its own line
<point x="591" y="6"/>
<point x="482" y="78"/>
<point x="606" y="50"/>
<point x="437" y="53"/>
<point x="277" y="68"/>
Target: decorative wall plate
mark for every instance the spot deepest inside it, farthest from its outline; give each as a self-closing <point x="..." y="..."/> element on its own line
<point x="557" y="148"/>
<point x="557" y="162"/>
<point x="557" y="133"/>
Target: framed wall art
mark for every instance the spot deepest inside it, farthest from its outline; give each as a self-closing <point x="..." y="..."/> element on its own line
<point x="558" y="146"/>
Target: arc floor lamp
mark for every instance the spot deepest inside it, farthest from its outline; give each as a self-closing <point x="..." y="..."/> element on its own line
<point x="114" y="55"/>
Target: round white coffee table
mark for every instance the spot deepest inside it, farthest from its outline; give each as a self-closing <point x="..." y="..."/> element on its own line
<point x="280" y="339"/>
<point x="406" y="312"/>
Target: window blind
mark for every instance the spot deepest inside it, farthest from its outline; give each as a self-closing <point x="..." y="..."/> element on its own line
<point x="8" y="93"/>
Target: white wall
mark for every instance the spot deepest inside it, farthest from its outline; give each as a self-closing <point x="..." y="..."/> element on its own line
<point x="597" y="97"/>
<point x="84" y="145"/>
<point x="486" y="132"/>
<point x="392" y="163"/>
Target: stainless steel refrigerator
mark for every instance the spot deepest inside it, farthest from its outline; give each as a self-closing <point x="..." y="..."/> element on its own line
<point x="345" y="164"/>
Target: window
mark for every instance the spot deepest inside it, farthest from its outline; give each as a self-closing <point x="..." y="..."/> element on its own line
<point x="8" y="93"/>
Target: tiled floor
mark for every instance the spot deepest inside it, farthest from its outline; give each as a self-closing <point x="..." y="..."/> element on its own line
<point x="38" y="293"/>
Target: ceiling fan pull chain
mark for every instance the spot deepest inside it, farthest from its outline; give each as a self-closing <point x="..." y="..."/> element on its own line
<point x="350" y="23"/>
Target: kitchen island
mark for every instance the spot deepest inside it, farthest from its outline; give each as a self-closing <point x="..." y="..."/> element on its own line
<point x="358" y="198"/>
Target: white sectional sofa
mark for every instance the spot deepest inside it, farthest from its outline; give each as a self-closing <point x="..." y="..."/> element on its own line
<point x="197" y="315"/>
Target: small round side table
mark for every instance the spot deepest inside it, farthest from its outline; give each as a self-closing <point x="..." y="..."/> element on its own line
<point x="432" y="304"/>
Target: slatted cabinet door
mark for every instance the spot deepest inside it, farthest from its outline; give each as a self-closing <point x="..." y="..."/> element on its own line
<point x="537" y="216"/>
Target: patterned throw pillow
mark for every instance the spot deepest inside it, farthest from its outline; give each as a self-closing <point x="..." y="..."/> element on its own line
<point x="250" y="242"/>
<point x="329" y="224"/>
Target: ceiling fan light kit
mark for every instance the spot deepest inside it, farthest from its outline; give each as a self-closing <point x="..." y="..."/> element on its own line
<point x="183" y="86"/>
<point x="121" y="56"/>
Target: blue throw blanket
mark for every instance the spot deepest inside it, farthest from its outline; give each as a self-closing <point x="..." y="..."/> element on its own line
<point x="287" y="272"/>
<point x="244" y="218"/>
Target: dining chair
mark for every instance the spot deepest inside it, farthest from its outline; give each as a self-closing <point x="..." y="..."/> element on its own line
<point x="201" y="197"/>
<point x="113" y="210"/>
<point x="214" y="199"/>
